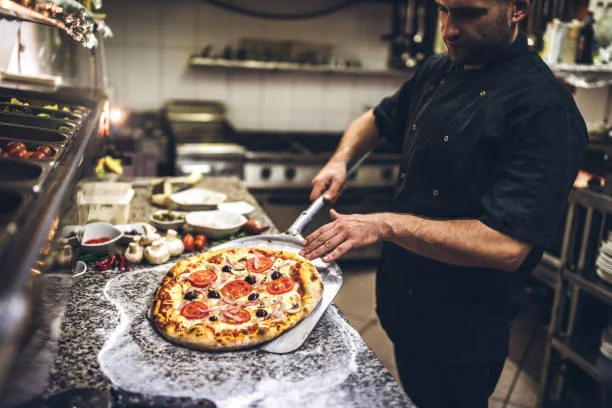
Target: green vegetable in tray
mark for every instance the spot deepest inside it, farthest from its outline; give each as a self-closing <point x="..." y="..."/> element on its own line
<point x="44" y="115"/>
<point x="15" y="101"/>
<point x="168" y="216"/>
<point x="51" y="107"/>
<point x="64" y="129"/>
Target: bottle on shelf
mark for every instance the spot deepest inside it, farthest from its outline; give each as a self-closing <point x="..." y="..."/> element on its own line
<point x="586" y="39"/>
<point x="603" y="25"/>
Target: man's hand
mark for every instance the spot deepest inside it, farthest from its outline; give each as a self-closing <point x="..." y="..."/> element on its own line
<point x="330" y="180"/>
<point x="344" y="233"/>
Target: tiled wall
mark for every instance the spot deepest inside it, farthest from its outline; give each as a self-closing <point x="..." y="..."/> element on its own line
<point x="147" y="61"/>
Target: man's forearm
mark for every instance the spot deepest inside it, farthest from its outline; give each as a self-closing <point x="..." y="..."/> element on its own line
<point x="359" y="138"/>
<point x="458" y="242"/>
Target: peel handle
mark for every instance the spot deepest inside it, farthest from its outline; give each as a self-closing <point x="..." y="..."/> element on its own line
<point x="307" y="215"/>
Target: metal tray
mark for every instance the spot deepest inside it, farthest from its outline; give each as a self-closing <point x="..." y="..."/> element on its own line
<point x="10" y="203"/>
<point x="31" y="146"/>
<point x="40" y="103"/>
<point x="35" y="111"/>
<point x="35" y="121"/>
<point x="33" y="134"/>
<point x="20" y="174"/>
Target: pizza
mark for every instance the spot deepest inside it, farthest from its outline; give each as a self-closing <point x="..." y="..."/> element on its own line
<point x="235" y="298"/>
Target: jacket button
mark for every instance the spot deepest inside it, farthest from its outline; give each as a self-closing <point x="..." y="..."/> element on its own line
<point x="414" y="126"/>
<point x="409" y="292"/>
<point x="442" y="81"/>
<point x="435" y="193"/>
<point x="402" y="176"/>
<point x="445" y="139"/>
<point x="483" y="93"/>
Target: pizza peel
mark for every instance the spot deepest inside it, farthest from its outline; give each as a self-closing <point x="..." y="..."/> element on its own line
<point x="291" y="240"/>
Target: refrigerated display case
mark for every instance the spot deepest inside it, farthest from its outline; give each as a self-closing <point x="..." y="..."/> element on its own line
<point x="53" y="118"/>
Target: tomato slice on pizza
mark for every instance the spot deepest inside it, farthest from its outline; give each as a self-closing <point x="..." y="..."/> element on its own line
<point x="235" y="298"/>
<point x="259" y="264"/>
<point x="201" y="279"/>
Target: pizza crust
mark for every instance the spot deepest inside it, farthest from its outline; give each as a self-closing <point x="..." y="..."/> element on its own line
<point x="203" y="334"/>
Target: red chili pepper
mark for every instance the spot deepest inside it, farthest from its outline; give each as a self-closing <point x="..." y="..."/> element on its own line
<point x="103" y="263"/>
<point x="103" y="267"/>
<point x="121" y="262"/>
<point x="127" y="265"/>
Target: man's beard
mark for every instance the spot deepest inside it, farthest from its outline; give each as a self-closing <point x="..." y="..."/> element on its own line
<point x="494" y="42"/>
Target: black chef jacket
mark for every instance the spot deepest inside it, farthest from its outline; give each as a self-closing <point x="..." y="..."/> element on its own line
<point x="501" y="144"/>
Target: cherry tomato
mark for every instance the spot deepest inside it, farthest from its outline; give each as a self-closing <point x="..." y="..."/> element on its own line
<point x="200" y="242"/>
<point x="45" y="150"/>
<point x="11" y="145"/>
<point x="36" y="155"/>
<point x="188" y="242"/>
<point x="281" y="285"/>
<point x="202" y="278"/>
<point x="194" y="310"/>
<point x="236" y="289"/>
<point x="18" y="153"/>
<point x="263" y="264"/>
<point x="242" y="316"/>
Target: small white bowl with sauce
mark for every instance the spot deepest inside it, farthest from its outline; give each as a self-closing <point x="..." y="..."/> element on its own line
<point x="100" y="237"/>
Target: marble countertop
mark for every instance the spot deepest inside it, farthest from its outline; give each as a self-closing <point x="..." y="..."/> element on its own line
<point x="106" y="342"/>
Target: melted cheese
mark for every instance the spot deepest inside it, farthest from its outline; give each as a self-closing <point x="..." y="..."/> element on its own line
<point x="266" y="300"/>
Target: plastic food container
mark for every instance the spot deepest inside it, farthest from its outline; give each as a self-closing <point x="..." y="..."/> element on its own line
<point x="109" y="202"/>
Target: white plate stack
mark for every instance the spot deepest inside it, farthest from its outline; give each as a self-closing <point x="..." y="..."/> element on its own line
<point x="604" y="261"/>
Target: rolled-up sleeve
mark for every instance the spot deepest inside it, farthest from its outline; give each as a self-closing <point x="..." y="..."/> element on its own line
<point x="526" y="193"/>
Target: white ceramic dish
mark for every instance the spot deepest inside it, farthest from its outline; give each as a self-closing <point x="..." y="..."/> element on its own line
<point x="215" y="224"/>
<point x="606" y="277"/>
<point x="97" y="230"/>
<point x="197" y="199"/>
<point x="606" y="248"/>
<point x="238" y="207"/>
<point x="166" y="225"/>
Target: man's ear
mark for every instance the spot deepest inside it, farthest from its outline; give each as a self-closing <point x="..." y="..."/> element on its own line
<point x="520" y="9"/>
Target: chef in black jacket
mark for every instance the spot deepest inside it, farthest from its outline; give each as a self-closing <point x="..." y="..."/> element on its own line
<point x="490" y="145"/>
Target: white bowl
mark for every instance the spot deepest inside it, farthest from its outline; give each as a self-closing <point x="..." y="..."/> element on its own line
<point x="97" y="230"/>
<point x="197" y="199"/>
<point x="216" y="223"/>
<point x="166" y="225"/>
<point x="238" y="207"/>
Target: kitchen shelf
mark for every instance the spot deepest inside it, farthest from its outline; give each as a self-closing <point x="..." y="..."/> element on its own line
<point x="585" y="76"/>
<point x="12" y="10"/>
<point x="251" y="65"/>
<point x="545" y="273"/>
<point x="584" y="352"/>
<point x="78" y="21"/>
<point x="598" y="289"/>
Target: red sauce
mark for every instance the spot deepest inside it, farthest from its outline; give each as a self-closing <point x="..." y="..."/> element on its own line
<point x="97" y="241"/>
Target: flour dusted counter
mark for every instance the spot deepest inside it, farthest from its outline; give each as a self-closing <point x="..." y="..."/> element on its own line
<point x="108" y="349"/>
